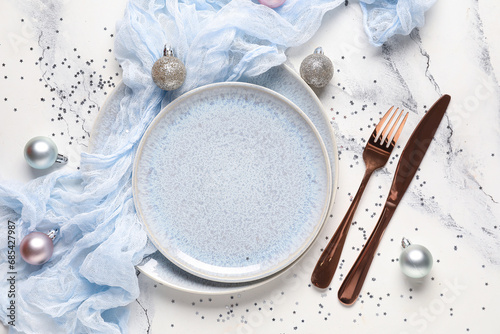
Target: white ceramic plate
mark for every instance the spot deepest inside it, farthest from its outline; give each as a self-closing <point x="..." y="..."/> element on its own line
<point x="232" y="182"/>
<point x="281" y="79"/>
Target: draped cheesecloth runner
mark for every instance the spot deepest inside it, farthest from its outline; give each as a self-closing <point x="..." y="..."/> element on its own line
<point x="90" y="279"/>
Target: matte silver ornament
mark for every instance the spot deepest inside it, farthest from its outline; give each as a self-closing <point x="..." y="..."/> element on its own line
<point x="415" y="260"/>
<point x="168" y="72"/>
<point x="317" y="69"/>
<point x="36" y="248"/>
<point x="41" y="153"/>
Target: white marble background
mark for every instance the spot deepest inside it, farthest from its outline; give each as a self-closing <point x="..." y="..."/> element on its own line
<point x="57" y="66"/>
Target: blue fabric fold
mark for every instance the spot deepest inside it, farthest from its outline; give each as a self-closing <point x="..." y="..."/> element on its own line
<point x="385" y="18"/>
<point x="90" y="279"/>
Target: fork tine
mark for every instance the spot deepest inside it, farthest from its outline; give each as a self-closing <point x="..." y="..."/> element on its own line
<point x="388" y="138"/>
<point x="379" y="125"/>
<point x="386" y="128"/>
<point x="400" y="129"/>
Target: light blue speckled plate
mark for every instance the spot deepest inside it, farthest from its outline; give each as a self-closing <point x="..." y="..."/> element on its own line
<point x="232" y="182"/>
<point x="281" y="79"/>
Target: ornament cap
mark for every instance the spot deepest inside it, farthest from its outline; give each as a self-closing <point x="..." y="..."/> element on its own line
<point x="168" y="52"/>
<point x="61" y="159"/>
<point x="405" y="242"/>
<point x="53" y="233"/>
<point x="319" y="50"/>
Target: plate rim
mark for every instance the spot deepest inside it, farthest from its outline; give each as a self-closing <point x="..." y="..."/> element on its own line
<point x="296" y="254"/>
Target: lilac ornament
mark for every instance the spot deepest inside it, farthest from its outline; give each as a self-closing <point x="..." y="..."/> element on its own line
<point x="272" y="3"/>
<point x="36" y="248"/>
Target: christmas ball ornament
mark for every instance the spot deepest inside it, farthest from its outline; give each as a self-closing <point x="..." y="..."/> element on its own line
<point x="415" y="260"/>
<point x="272" y="3"/>
<point x="36" y="248"/>
<point x="168" y="72"/>
<point x="41" y="153"/>
<point x="317" y="69"/>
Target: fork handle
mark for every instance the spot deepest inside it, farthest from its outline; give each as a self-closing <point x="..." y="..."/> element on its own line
<point x="350" y="288"/>
<point x="327" y="263"/>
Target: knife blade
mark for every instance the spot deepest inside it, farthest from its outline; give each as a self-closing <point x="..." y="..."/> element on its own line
<point x="410" y="160"/>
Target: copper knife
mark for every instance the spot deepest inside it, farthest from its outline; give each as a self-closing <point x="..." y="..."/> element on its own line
<point x="411" y="157"/>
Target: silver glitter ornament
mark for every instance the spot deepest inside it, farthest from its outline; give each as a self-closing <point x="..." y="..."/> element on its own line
<point x="415" y="260"/>
<point x="168" y="72"/>
<point x="36" y="248"/>
<point x="41" y="153"/>
<point x="317" y="69"/>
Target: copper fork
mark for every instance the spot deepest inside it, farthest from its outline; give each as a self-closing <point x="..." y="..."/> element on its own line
<point x="376" y="154"/>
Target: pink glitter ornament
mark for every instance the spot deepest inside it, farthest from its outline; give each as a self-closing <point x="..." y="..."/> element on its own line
<point x="272" y="3"/>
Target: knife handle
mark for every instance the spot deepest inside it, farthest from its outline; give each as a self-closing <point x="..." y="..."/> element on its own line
<point x="352" y="284"/>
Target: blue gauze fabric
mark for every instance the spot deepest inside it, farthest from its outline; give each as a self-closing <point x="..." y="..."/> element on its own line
<point x="383" y="19"/>
<point x="90" y="279"/>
